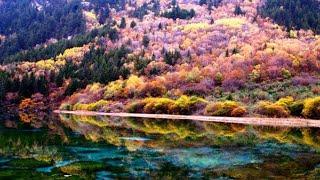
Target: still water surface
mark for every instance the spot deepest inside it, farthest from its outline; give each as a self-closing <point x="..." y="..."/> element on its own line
<point x="100" y="147"/>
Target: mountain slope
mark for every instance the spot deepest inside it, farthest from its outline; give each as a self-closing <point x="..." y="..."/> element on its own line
<point x="222" y="58"/>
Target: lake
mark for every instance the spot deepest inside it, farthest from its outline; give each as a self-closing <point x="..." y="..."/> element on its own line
<point x="101" y="147"/>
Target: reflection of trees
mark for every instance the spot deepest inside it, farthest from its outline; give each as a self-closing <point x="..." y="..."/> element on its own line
<point x="33" y="109"/>
<point x="174" y="133"/>
<point x="96" y="128"/>
<point x="28" y="145"/>
<point x="42" y="119"/>
<point x="306" y="136"/>
<point x="180" y="128"/>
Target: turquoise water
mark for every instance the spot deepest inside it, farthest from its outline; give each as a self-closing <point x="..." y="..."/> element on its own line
<point x="110" y="148"/>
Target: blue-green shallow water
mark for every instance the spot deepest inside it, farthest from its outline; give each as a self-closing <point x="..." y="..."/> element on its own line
<point x="83" y="147"/>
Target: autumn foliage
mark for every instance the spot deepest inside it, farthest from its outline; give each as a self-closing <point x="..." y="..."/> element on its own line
<point x="226" y="108"/>
<point x="214" y="62"/>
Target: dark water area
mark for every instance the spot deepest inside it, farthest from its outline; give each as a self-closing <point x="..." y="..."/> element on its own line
<point x="96" y="147"/>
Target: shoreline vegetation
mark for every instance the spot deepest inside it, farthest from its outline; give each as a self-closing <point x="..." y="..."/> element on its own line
<point x="286" y="107"/>
<point x="285" y="122"/>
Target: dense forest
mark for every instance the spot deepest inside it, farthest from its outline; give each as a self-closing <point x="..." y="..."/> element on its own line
<point x="294" y="14"/>
<point x="27" y="24"/>
<point x="52" y="50"/>
<point x="97" y="66"/>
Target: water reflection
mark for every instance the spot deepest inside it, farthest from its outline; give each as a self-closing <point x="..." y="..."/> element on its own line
<point x="96" y="147"/>
<point x="184" y="133"/>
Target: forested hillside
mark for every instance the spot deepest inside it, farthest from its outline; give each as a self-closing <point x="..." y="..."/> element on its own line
<point x="26" y="23"/>
<point x="294" y="14"/>
<point x="216" y="57"/>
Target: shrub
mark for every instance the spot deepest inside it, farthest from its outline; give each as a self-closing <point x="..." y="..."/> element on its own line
<point x="238" y="112"/>
<point x="183" y="105"/>
<point x="114" y="89"/>
<point x="65" y="106"/>
<point x="198" y="89"/>
<point x="97" y="106"/>
<point x="259" y="94"/>
<point x="311" y="108"/>
<point x="285" y="102"/>
<point x="155" y="68"/>
<point x="272" y="109"/>
<point x="116" y="107"/>
<point x="204" y="87"/>
<point x="194" y="76"/>
<point x="226" y="108"/>
<point x="304" y="80"/>
<point x="136" y="107"/>
<point x="296" y="108"/>
<point x="79" y="106"/>
<point x="159" y="106"/>
<point x="186" y="104"/>
<point x="153" y="89"/>
<point x="131" y="86"/>
<point x="232" y="84"/>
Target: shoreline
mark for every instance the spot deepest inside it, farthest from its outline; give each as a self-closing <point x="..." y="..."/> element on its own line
<point x="284" y="122"/>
